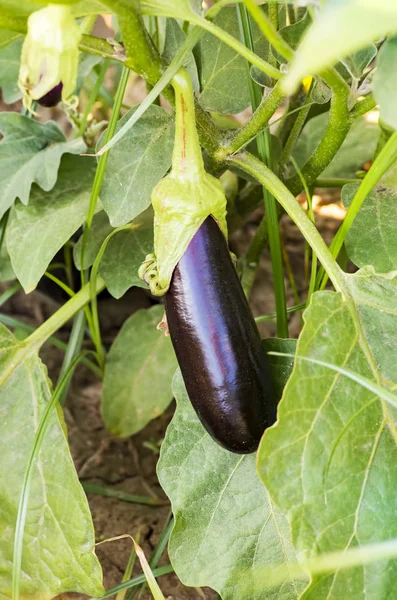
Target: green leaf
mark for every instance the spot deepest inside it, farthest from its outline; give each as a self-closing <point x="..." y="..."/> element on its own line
<point x="17" y="8"/>
<point x="58" y="551"/>
<point x="358" y="147"/>
<point x="226" y="528"/>
<point x="359" y="61"/>
<point x="9" y="70"/>
<point x="124" y="253"/>
<point x="37" y="231"/>
<point x="137" y="164"/>
<point x="178" y="9"/>
<point x="341" y="28"/>
<point x="174" y="38"/>
<point x="223" y="72"/>
<point x="280" y="366"/>
<point x="7" y="37"/>
<point x="138" y="374"/>
<point x="6" y="270"/>
<point x="385" y="82"/>
<point x="372" y="237"/>
<point x="27" y="146"/>
<point x="329" y="461"/>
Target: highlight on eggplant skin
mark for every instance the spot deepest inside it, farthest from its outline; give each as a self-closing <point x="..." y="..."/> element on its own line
<point x="53" y="97"/>
<point x="217" y="344"/>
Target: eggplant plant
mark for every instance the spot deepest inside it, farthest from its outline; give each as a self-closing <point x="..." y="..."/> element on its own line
<point x="279" y="460"/>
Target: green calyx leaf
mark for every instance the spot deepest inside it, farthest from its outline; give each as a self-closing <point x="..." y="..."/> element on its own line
<point x="185" y="198"/>
<point x="49" y="53"/>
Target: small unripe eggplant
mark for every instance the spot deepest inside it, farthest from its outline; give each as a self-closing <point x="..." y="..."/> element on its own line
<point x="217" y="344"/>
<point x="53" y="97"/>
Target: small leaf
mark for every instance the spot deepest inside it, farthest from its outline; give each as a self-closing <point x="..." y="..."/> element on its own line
<point x="138" y="374"/>
<point x="58" y="551"/>
<point x="372" y="237"/>
<point x="385" y="82"/>
<point x="223" y="72"/>
<point x="329" y="461"/>
<point x="9" y="71"/>
<point x="226" y="528"/>
<point x="37" y="231"/>
<point x="358" y="147"/>
<point x="341" y="28"/>
<point x="359" y="61"/>
<point x="124" y="253"/>
<point x="137" y="164"/>
<point x="27" y="146"/>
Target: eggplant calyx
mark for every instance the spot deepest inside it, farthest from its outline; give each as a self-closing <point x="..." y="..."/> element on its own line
<point x="148" y="272"/>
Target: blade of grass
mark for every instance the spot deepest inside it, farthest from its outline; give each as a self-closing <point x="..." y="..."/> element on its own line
<point x="129" y="568"/>
<point x="72" y="350"/>
<point x="92" y="488"/>
<point x="264" y="151"/>
<point x="150" y="578"/>
<point x="273" y="315"/>
<point x="165" y="570"/>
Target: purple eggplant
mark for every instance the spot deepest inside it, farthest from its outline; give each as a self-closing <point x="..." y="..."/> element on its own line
<point x="217" y="344"/>
<point x="53" y="97"/>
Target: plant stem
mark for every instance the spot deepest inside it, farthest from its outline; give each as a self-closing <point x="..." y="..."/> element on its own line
<point x="294" y="133"/>
<point x="99" y="490"/>
<point x="363" y="106"/>
<point x="273" y="315"/>
<point x="273" y="231"/>
<point x="251" y="165"/>
<point x="250" y="260"/>
<point x="380" y="166"/>
<point x="259" y="120"/>
<point x="338" y="127"/>
<point x="269" y="31"/>
<point x="72" y="350"/>
<point x="93" y="96"/>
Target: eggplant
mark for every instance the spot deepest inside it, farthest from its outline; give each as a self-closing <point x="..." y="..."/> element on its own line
<point x="53" y="97"/>
<point x="217" y="344"/>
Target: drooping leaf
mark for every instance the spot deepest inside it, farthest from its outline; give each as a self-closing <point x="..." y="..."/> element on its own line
<point x="358" y="147"/>
<point x="385" y="82"/>
<point x="372" y="238"/>
<point x="37" y="231"/>
<point x="329" y="461"/>
<point x="341" y="28"/>
<point x="226" y="528"/>
<point x="137" y="164"/>
<point x="174" y="38"/>
<point x="138" y="374"/>
<point x="58" y="543"/>
<point x="223" y="72"/>
<point x="30" y="152"/>
<point x="9" y="70"/>
<point x="124" y="253"/>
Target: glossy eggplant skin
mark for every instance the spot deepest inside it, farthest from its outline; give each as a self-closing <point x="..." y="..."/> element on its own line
<point x="217" y="344"/>
<point x="52" y="97"/>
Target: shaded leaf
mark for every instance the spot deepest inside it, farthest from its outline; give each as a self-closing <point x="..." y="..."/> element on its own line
<point x="341" y="28"/>
<point x="223" y="72"/>
<point x="174" y="38"/>
<point x="9" y="70"/>
<point x="329" y="461"/>
<point x="27" y="146"/>
<point x="138" y="374"/>
<point x="124" y="253"/>
<point x="372" y="238"/>
<point x="37" y="231"/>
<point x="358" y="147"/>
<point x="136" y="164"/>
<point x="6" y="270"/>
<point x="226" y="529"/>
<point x="58" y="550"/>
<point x="280" y="366"/>
<point x="359" y="61"/>
<point x="385" y="82"/>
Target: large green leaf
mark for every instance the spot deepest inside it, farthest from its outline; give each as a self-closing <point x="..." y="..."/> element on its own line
<point x="385" y="82"/>
<point x="358" y="147"/>
<point x="223" y="72"/>
<point x="37" y="231"/>
<point x="124" y="253"/>
<point x="136" y="164"/>
<point x="341" y="28"/>
<point x="30" y="152"/>
<point x="329" y="462"/>
<point x="372" y="238"/>
<point x="9" y="70"/>
<point x="58" y="543"/>
<point x="138" y="374"/>
<point x="226" y="528"/>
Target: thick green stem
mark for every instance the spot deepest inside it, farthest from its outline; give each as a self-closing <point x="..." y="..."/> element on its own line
<point x="253" y="166"/>
<point x="339" y="124"/>
<point x="258" y="121"/>
<point x="363" y="106"/>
